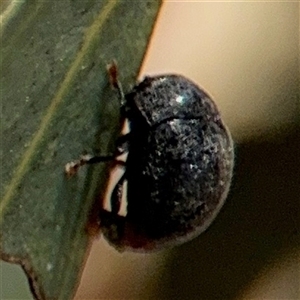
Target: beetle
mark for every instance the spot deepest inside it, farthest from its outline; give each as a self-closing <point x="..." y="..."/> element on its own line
<point x="179" y="164"/>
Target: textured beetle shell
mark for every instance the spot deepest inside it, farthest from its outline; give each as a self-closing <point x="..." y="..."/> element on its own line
<point x="170" y="97"/>
<point x="179" y="163"/>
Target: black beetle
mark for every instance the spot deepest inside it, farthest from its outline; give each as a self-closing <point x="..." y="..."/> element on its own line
<point x="179" y="164"/>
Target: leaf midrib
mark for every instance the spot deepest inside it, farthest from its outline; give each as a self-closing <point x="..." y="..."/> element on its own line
<point x="88" y="40"/>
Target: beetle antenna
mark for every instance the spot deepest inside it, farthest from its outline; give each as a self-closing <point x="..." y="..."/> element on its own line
<point x="112" y="70"/>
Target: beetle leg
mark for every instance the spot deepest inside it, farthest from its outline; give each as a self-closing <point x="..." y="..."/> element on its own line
<point x="116" y="195"/>
<point x="112" y="70"/>
<point x="71" y="168"/>
<point x="122" y="144"/>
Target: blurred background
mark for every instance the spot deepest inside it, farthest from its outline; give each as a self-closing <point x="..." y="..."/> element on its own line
<point x="246" y="56"/>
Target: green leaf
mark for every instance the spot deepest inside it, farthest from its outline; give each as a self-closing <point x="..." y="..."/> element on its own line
<point x="56" y="103"/>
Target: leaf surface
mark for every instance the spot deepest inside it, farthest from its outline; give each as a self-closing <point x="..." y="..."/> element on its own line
<point x="57" y="103"/>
